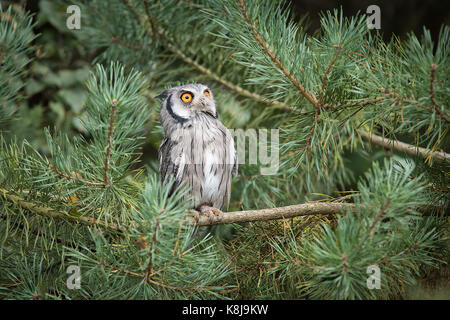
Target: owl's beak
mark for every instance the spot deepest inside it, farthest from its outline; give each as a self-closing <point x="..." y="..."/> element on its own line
<point x="202" y="106"/>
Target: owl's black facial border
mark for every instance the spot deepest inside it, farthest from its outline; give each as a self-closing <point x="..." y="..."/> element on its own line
<point x="176" y="117"/>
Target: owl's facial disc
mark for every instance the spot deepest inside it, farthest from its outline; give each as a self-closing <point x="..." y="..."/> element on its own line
<point x="179" y="112"/>
<point x="195" y="101"/>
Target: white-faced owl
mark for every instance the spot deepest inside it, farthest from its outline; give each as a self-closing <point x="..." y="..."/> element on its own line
<point x="197" y="150"/>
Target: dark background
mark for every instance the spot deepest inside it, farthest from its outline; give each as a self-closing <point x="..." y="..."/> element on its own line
<point x="397" y="16"/>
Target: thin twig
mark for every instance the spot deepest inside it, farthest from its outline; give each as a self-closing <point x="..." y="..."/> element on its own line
<point x="361" y="103"/>
<point x="141" y="275"/>
<point x="229" y="85"/>
<point x="150" y="252"/>
<point x="126" y="44"/>
<point x="313" y="128"/>
<point x="359" y="62"/>
<point x="378" y="217"/>
<point x="410" y="249"/>
<point x="327" y="71"/>
<point x="110" y="133"/>
<point x="404" y="147"/>
<point x="400" y="99"/>
<point x="432" y="77"/>
<point x="75" y="177"/>
<point x="433" y="101"/>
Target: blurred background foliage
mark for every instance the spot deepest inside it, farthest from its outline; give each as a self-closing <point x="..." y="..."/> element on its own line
<point x="55" y="94"/>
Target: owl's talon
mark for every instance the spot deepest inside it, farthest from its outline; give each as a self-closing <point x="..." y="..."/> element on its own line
<point x="196" y="216"/>
<point x="213" y="214"/>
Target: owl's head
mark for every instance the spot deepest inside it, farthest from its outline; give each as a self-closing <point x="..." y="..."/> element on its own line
<point x="184" y="102"/>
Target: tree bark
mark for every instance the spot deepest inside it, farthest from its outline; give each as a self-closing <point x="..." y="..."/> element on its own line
<point x="404" y="147"/>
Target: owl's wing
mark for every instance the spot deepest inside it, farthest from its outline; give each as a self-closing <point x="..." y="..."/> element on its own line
<point x="233" y="151"/>
<point x="236" y="163"/>
<point x="165" y="163"/>
<point x="231" y="169"/>
<point x="168" y="168"/>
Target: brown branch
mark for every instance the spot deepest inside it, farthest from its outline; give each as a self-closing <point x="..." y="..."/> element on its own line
<point x="304" y="209"/>
<point x="404" y="147"/>
<point x="309" y="96"/>
<point x="110" y="133"/>
<point x="75" y="177"/>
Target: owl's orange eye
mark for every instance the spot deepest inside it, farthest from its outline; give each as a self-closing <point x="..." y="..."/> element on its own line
<point x="186" y="97"/>
<point x="207" y="93"/>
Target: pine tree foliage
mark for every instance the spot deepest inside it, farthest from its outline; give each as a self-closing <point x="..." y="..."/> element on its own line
<point x="332" y="95"/>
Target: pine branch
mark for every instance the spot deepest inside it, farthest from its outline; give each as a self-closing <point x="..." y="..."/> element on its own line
<point x="148" y="279"/>
<point x="403" y="100"/>
<point x="160" y="33"/>
<point x="309" y="96"/>
<point x="139" y="275"/>
<point x="56" y="214"/>
<point x="75" y="177"/>
<point x="404" y="147"/>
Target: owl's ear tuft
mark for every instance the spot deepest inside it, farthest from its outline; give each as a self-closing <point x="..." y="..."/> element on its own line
<point x="163" y="95"/>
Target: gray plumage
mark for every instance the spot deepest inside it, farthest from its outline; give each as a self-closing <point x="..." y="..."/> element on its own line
<point x="198" y="150"/>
